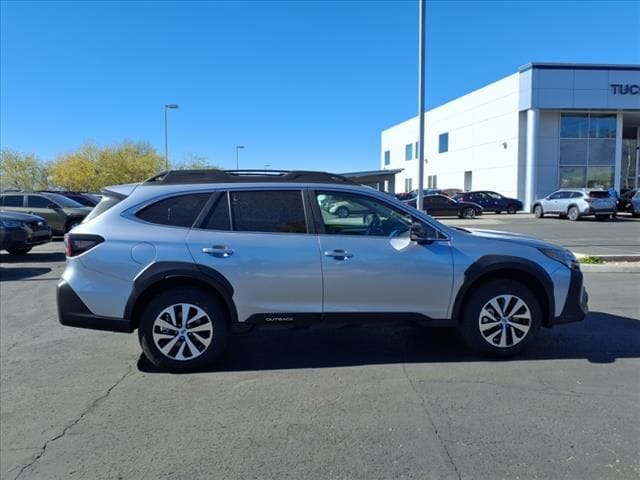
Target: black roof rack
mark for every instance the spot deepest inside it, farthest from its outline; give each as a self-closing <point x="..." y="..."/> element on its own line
<point x="172" y="177"/>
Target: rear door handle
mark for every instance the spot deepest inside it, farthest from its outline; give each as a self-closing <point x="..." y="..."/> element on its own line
<point x="338" y="254"/>
<point x="218" y="251"/>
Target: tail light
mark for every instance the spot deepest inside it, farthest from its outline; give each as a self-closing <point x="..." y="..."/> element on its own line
<point x="79" y="243"/>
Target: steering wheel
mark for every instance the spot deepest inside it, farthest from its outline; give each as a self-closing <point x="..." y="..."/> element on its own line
<point x="374" y="224"/>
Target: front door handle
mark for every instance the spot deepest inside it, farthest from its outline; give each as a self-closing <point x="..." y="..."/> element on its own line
<point x="218" y="251"/>
<point x="338" y="254"/>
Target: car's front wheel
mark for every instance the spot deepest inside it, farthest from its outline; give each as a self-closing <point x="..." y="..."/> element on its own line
<point x="183" y="330"/>
<point x="538" y="212"/>
<point x="501" y="318"/>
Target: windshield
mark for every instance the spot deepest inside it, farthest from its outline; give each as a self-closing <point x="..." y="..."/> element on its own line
<point x="62" y="200"/>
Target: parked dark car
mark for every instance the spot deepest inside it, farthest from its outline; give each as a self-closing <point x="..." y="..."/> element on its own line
<point x="83" y="199"/>
<point x="60" y="212"/>
<point x="625" y="203"/>
<point x="443" y="206"/>
<point x="491" y="201"/>
<point x="20" y="232"/>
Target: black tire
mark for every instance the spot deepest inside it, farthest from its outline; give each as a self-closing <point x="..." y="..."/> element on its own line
<point x="469" y="213"/>
<point x="342" y="212"/>
<point x="218" y="323"/>
<point x="562" y="215"/>
<point x="472" y="320"/>
<point x="537" y="211"/>
<point x="602" y="218"/>
<point x="635" y="215"/>
<point x="574" y="214"/>
<point x="19" y="250"/>
<point x="513" y="209"/>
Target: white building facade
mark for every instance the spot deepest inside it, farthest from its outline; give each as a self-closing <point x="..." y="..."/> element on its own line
<point x="545" y="127"/>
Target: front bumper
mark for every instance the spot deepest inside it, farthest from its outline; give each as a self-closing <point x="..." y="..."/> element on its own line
<point x="576" y="305"/>
<point x="74" y="313"/>
<point x="25" y="238"/>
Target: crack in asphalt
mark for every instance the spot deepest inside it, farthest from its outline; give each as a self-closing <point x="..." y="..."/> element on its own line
<point x="433" y="425"/>
<point x="72" y="424"/>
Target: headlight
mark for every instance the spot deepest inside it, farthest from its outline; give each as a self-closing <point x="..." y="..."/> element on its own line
<point x="11" y="223"/>
<point x="563" y="256"/>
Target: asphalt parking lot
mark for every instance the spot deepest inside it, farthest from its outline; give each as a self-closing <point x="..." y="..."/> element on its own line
<point x="377" y="403"/>
<point x="620" y="236"/>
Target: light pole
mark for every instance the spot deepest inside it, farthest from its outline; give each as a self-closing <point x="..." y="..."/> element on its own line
<point x="238" y="147"/>
<point x="421" y="55"/>
<point x="167" y="106"/>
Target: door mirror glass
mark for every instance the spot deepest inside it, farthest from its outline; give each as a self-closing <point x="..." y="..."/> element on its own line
<point x="422" y="233"/>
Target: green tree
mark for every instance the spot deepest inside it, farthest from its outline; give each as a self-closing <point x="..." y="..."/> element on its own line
<point x="23" y="171"/>
<point x="194" y="162"/>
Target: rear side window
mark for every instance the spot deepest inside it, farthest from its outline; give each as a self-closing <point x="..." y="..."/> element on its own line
<point x="599" y="194"/>
<point x="218" y="217"/>
<point x="12" y="201"/>
<point x="268" y="211"/>
<point x="105" y="204"/>
<point x="179" y="211"/>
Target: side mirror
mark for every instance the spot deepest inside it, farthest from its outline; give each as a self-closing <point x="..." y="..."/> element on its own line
<point x="423" y="234"/>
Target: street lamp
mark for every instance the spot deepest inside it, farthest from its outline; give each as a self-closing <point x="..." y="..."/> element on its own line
<point x="167" y="106"/>
<point x="238" y="147"/>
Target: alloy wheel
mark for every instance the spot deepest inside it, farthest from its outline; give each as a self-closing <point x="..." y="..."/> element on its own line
<point x="469" y="213"/>
<point x="504" y="321"/>
<point x="182" y="331"/>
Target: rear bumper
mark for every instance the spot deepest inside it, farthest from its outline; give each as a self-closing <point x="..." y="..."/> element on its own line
<point x="74" y="313"/>
<point x="576" y="305"/>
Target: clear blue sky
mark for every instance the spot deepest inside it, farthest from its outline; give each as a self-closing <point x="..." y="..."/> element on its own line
<point x="302" y="84"/>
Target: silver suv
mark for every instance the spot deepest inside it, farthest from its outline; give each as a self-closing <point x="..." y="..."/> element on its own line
<point x="187" y="257"/>
<point x="575" y="203"/>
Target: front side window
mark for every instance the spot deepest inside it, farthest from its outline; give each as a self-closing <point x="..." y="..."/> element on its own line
<point x="35" y="201"/>
<point x="12" y="201"/>
<point x="270" y="211"/>
<point x="352" y="214"/>
<point x="218" y="217"/>
<point x="179" y="211"/>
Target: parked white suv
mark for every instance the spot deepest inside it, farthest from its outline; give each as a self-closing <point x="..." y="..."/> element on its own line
<point x="188" y="256"/>
<point x="575" y="203"/>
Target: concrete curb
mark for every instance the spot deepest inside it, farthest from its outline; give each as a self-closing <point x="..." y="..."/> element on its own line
<point x="622" y="267"/>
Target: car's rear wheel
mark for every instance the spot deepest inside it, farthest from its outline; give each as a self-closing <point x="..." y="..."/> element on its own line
<point x="573" y="214"/>
<point x="183" y="330"/>
<point x="538" y="212"/>
<point x="342" y="212"/>
<point x="501" y="318"/>
<point x="512" y="209"/>
<point x="468" y="213"/>
<point x="19" y="250"/>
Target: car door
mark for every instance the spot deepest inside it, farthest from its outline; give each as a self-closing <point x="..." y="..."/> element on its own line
<point x="260" y="241"/>
<point x="551" y="204"/>
<point x="436" y="205"/>
<point x="42" y="206"/>
<point x="371" y="265"/>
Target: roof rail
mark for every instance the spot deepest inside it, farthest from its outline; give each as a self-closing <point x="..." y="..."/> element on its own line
<point x="244" y="176"/>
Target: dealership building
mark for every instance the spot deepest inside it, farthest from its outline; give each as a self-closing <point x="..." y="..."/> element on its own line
<point x="547" y="126"/>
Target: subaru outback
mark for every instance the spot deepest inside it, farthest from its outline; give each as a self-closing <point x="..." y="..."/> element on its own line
<point x="187" y="257"/>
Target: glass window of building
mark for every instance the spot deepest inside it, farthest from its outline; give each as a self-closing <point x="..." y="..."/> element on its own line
<point x="587" y="150"/>
<point x="387" y="157"/>
<point x="407" y="184"/>
<point x="432" y="181"/>
<point x="408" y="151"/>
<point x="443" y="143"/>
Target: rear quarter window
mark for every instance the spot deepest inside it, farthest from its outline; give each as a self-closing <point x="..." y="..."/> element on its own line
<point x="105" y="204"/>
<point x="178" y="211"/>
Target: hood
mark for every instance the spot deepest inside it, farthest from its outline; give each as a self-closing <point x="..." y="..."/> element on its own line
<point x="21" y="217"/>
<point x="80" y="211"/>
<point x="512" y="237"/>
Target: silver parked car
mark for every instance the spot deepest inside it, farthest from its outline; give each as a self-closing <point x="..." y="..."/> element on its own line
<point x="575" y="203"/>
<point x="189" y="256"/>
